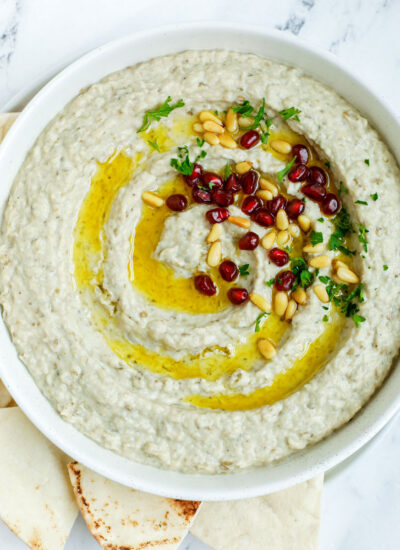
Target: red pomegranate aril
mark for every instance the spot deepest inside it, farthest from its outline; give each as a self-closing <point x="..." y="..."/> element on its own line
<point x="264" y="218"/>
<point x="251" y="204"/>
<point x="301" y="153"/>
<point x="276" y="204"/>
<point x="249" y="182"/>
<point x="330" y="205"/>
<point x="314" y="191"/>
<point x="294" y="208"/>
<point x="278" y="257"/>
<point x="316" y="175"/>
<point x="212" y="181"/>
<point x="284" y="280"/>
<point x="249" y="241"/>
<point x="250" y="139"/>
<point x="177" y="203"/>
<point x="205" y="285"/>
<point x="299" y="172"/>
<point x="195" y="176"/>
<point x="222" y="198"/>
<point x="201" y="195"/>
<point x="232" y="184"/>
<point x="228" y="270"/>
<point x="217" y="215"/>
<point x="238" y="295"/>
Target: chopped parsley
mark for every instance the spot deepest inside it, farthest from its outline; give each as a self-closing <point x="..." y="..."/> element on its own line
<point x="244" y="270"/>
<point x="265" y="126"/>
<point x="343" y="228"/>
<point x="316" y="238"/>
<point x="374" y="197"/>
<point x="163" y="111"/>
<point x="258" y="117"/>
<point x="347" y="302"/>
<point x="358" y="319"/>
<point x="245" y="109"/>
<point x="385" y="267"/>
<point x="285" y="170"/>
<point x="154" y="144"/>
<point x="227" y="170"/>
<point x="304" y="277"/>
<point x="362" y="202"/>
<point x="327" y="164"/>
<point x="292" y="112"/>
<point x="342" y="189"/>
<point x="366" y="161"/>
<point x="259" y="319"/>
<point x="183" y="163"/>
<point x="288" y="249"/>
<point x="362" y="236"/>
<point x="325" y="318"/>
<point x="320" y="220"/>
<point x="270" y="282"/>
<point x="200" y="142"/>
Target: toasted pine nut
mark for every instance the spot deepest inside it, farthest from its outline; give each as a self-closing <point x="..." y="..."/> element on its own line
<point x="227" y="141"/>
<point x="290" y="310"/>
<point x="210" y="138"/>
<point x="283" y="238"/>
<point x="260" y="301"/>
<point x="304" y="222"/>
<point x="336" y="279"/>
<point x="266" y="348"/>
<point x="320" y="261"/>
<point x="264" y="195"/>
<point x="321" y="293"/>
<point x="197" y="127"/>
<point x="215" y="233"/>
<point x="347" y="276"/>
<point x="280" y="303"/>
<point x="268" y="240"/>
<point x="294" y="230"/>
<point x="241" y="222"/>
<point x="282" y="221"/>
<point x="268" y="186"/>
<point x="243" y="167"/>
<point x="300" y="295"/>
<point x="207" y="115"/>
<point x="338" y="263"/>
<point x="281" y="146"/>
<point x="313" y="249"/>
<point x="214" y="254"/>
<point x="152" y="200"/>
<point x="211" y="126"/>
<point x="245" y="122"/>
<point x="231" y="122"/>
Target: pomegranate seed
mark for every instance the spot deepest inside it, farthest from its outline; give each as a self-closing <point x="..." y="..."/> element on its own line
<point x="314" y="191"/>
<point x="222" y="198"/>
<point x="264" y="218"/>
<point x="249" y="182"/>
<point x="251" y="204"/>
<point x="249" y="241"/>
<point x="278" y="257"/>
<point x="205" y="285"/>
<point x="275" y="204"/>
<point x="228" y="270"/>
<point x="212" y="181"/>
<point x="232" y="184"/>
<point x="177" y="203"/>
<point x="250" y="139"/>
<point x="284" y="280"/>
<point x="294" y="208"/>
<point x="195" y="176"/>
<point x="298" y="173"/>
<point x="217" y="215"/>
<point x="330" y="205"/>
<point x="201" y="195"/>
<point x="316" y="175"/>
<point x="301" y="153"/>
<point x="238" y="295"/>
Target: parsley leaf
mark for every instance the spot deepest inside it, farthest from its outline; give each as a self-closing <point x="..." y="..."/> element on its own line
<point x="327" y="164"/>
<point x="362" y="236"/>
<point x="183" y="163"/>
<point x="227" y="170"/>
<point x="258" y="117"/>
<point x="304" y="277"/>
<point x="320" y="220"/>
<point x="342" y="189"/>
<point x="163" y="111"/>
<point x="358" y="319"/>
<point x="325" y="318"/>
<point x="154" y="144"/>
<point x="259" y="319"/>
<point x="245" y="109"/>
<point x="385" y="267"/>
<point x="285" y="170"/>
<point x="343" y="228"/>
<point x="362" y="202"/>
<point x="200" y="142"/>
<point x="292" y="112"/>
<point x="244" y="270"/>
<point x="345" y="300"/>
<point x="316" y="238"/>
<point x="270" y="282"/>
<point x="374" y="197"/>
<point x="366" y="161"/>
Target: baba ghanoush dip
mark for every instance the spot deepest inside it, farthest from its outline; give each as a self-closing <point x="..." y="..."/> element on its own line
<point x="199" y="264"/>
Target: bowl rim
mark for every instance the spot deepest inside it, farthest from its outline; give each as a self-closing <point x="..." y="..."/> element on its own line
<point x="298" y="467"/>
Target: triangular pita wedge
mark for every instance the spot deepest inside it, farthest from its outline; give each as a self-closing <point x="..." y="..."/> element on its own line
<point x="6" y="121"/>
<point x="36" y="500"/>
<point x="5" y="397"/>
<point x="287" y="520"/>
<point x="120" y="518"/>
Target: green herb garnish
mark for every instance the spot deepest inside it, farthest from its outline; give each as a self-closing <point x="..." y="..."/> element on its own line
<point x="259" y="319"/>
<point x="342" y="189"/>
<point x="270" y="282"/>
<point x="163" y="111"/>
<point x="362" y="202"/>
<point x="285" y="170"/>
<point x="227" y="170"/>
<point x="325" y="318"/>
<point x="327" y="164"/>
<point x="343" y="228"/>
<point x="257" y="118"/>
<point x="385" y="267"/>
<point x="183" y="163"/>
<point x="366" y="161"/>
<point x="358" y="319"/>
<point x="200" y="142"/>
<point x="292" y="112"/>
<point x="316" y="238"/>
<point x="244" y="270"/>
<point x="374" y="197"/>
<point x="304" y="277"/>
<point x="154" y="144"/>
<point x="362" y="236"/>
<point x="245" y="109"/>
<point x="346" y="301"/>
<point x="320" y="220"/>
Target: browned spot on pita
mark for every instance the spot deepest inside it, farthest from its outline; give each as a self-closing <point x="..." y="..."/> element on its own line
<point x="185" y="508"/>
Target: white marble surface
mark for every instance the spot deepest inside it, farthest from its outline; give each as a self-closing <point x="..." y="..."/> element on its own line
<point x="361" y="509"/>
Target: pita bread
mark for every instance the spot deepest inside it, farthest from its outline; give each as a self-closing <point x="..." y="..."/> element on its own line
<point x="6" y="121"/>
<point x="36" y="500"/>
<point x="120" y="518"/>
<point x="288" y="520"/>
<point x="5" y="397"/>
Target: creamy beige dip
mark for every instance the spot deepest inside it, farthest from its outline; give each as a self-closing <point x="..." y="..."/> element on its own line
<point x="96" y="344"/>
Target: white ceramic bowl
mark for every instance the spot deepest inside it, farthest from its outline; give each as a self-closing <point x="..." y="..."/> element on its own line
<point x="51" y="99"/>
